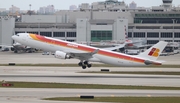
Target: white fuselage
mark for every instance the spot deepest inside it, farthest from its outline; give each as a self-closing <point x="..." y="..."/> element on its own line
<point x="73" y="47"/>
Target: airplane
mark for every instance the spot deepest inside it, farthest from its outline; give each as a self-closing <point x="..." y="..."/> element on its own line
<point x="127" y="44"/>
<point x="17" y="48"/>
<point x="86" y="54"/>
<point x="135" y="44"/>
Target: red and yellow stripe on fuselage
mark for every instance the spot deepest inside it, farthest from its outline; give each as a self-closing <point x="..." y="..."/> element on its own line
<point x="88" y="49"/>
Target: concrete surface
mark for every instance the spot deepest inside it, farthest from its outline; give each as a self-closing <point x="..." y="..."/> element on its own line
<point x="19" y="95"/>
<point x="72" y="75"/>
<point x="36" y="58"/>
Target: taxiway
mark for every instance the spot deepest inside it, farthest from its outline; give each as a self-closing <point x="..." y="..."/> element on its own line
<point x="72" y="75"/>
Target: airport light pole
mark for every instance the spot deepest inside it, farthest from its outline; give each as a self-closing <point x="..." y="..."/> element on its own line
<point x="173" y="28"/>
<point x="12" y="9"/>
<point x="86" y="31"/>
<point x="30" y="7"/>
<point x="39" y="25"/>
<point x="173" y="32"/>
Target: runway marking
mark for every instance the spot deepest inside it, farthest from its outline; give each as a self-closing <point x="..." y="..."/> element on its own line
<point x="148" y="95"/>
<point x="89" y="76"/>
<point x="112" y="95"/>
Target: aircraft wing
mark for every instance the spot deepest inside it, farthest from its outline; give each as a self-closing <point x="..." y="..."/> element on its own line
<point x="116" y="47"/>
<point x="140" y="46"/>
<point x="83" y="56"/>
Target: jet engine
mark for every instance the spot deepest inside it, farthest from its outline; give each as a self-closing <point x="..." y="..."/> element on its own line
<point x="61" y="55"/>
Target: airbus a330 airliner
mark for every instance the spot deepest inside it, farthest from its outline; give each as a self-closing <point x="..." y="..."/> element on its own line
<point x="86" y="54"/>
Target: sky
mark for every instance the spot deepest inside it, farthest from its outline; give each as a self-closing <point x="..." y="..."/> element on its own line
<point x="64" y="4"/>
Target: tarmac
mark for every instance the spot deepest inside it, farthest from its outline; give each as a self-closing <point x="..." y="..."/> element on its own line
<point x="21" y="94"/>
<point x="38" y="58"/>
<point x="73" y="75"/>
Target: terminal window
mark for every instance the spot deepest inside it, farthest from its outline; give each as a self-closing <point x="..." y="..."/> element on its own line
<point x="153" y="34"/>
<point x="129" y="34"/>
<point x="139" y="34"/>
<point x="71" y="34"/>
<point x="97" y="36"/>
<point x="33" y="32"/>
<point x="177" y="35"/>
<point x="166" y="35"/>
<point x="19" y="32"/>
<point x="155" y="15"/>
<point x="59" y="34"/>
<point x="177" y="41"/>
<point x="48" y="34"/>
<point x="162" y="19"/>
<point x="152" y="41"/>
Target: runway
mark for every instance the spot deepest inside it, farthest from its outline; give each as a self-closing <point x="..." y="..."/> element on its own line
<point x="44" y="93"/>
<point x="38" y="58"/>
<point x="72" y="75"/>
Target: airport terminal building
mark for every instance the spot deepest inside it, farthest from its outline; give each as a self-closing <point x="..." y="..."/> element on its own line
<point x="108" y="20"/>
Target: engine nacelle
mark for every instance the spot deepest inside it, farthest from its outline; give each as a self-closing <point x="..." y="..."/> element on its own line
<point x="61" y="55"/>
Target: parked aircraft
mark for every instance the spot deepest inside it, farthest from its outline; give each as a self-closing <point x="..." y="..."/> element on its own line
<point x="127" y="44"/>
<point x="17" y="48"/>
<point x="86" y="54"/>
<point x="135" y="44"/>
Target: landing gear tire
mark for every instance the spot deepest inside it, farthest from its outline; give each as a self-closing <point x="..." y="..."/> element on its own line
<point x="84" y="67"/>
<point x="89" y="65"/>
<point x="80" y="63"/>
<point x="86" y="62"/>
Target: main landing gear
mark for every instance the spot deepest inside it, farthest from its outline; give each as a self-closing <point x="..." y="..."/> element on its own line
<point x="84" y="64"/>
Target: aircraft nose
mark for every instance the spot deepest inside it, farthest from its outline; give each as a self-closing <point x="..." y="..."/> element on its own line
<point x="14" y="37"/>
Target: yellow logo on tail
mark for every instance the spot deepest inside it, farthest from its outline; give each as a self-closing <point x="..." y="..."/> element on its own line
<point x="154" y="52"/>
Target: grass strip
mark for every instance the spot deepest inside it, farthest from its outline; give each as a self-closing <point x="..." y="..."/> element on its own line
<point x="84" y="86"/>
<point x="134" y="72"/>
<point x="121" y="99"/>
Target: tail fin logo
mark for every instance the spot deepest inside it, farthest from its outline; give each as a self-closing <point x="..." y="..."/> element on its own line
<point x="154" y="52"/>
